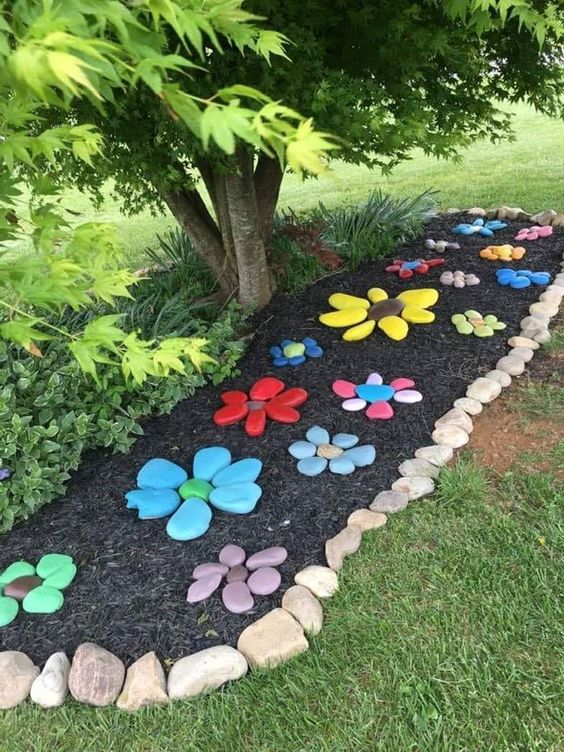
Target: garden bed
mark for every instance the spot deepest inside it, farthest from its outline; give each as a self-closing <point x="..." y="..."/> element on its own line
<point x="130" y="592"/>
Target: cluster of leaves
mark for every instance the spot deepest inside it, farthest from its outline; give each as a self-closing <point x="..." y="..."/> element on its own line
<point x="57" y="54"/>
<point x="50" y="413"/>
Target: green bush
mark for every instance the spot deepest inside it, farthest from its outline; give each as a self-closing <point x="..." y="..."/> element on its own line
<point x="50" y="413"/>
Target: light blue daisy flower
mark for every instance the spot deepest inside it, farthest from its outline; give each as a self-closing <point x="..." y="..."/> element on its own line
<point x="340" y="453"/>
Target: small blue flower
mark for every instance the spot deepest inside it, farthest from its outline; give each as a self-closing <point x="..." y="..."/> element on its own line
<point x="341" y="453"/>
<point x="4" y="473"/>
<point x="479" y="227"/>
<point x="293" y="353"/>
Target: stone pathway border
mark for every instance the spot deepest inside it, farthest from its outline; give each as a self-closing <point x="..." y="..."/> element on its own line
<point x="97" y="677"/>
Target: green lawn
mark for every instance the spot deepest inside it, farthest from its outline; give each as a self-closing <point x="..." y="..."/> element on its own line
<point x="444" y="636"/>
<point x="528" y="172"/>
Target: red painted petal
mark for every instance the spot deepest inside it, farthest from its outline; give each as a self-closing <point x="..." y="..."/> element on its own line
<point x="380" y="411"/>
<point x="230" y="414"/>
<point x="290" y="398"/>
<point x="267" y="388"/>
<point x="422" y="269"/>
<point x="393" y="268"/>
<point x="344" y="389"/>
<point x="282" y="413"/>
<point x="402" y="383"/>
<point x="405" y="273"/>
<point x="435" y="262"/>
<point x="256" y="422"/>
<point x="233" y="398"/>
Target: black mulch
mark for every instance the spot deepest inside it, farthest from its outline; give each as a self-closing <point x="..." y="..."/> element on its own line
<point x="130" y="593"/>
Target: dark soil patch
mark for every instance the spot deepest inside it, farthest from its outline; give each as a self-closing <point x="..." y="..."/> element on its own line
<point x="130" y="592"/>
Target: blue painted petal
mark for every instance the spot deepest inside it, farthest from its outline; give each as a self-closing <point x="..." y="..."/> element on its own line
<point x="485" y="232"/>
<point x="280" y="362"/>
<point x="540" y="278"/>
<point x="312" y="466"/>
<point x="297" y="360"/>
<point x="345" y="440"/>
<point x="243" y="471"/>
<point x="159" y="473"/>
<point x="524" y="273"/>
<point x="275" y="351"/>
<point x="286" y="342"/>
<point x="309" y="342"/>
<point x="375" y="392"/>
<point x="495" y="224"/>
<point x="341" y="466"/>
<point x="209" y="461"/>
<point x="190" y="521"/>
<point x="318" y="436"/>
<point x="239" y="498"/>
<point x="153" y="503"/>
<point x="314" y="351"/>
<point x="520" y="282"/>
<point x="302" y="449"/>
<point x="361" y="456"/>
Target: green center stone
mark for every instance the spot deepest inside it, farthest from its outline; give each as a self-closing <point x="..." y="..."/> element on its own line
<point x="294" y="350"/>
<point x="201" y="489"/>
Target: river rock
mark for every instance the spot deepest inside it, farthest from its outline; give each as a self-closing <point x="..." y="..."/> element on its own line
<point x="367" y="520"/>
<point x="52" y="685"/>
<point x="470" y="406"/>
<point x="544" y="308"/>
<point x="415" y="486"/>
<point x="525" y="353"/>
<point x="456" y="417"/>
<point x="451" y="435"/>
<point x="502" y="378"/>
<point x="419" y="466"/>
<point x="304" y="607"/>
<point x="511" y="365"/>
<point x="389" y="502"/>
<point x="96" y="675"/>
<point x="269" y="557"/>
<point x="204" y="671"/>
<point x="483" y="390"/>
<point x="264" y="581"/>
<point x="273" y="639"/>
<point x="534" y="323"/>
<point x="322" y="581"/>
<point x="145" y="684"/>
<point x="522" y="342"/>
<point x="542" y="337"/>
<point x="436" y="454"/>
<point x="17" y="673"/>
<point x="345" y="543"/>
<point x="232" y="555"/>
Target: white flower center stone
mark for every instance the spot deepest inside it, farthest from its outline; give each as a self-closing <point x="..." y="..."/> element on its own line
<point x="329" y="451"/>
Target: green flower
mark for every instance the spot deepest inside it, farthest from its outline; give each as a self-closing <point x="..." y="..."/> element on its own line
<point x="37" y="588"/>
<point x="472" y="322"/>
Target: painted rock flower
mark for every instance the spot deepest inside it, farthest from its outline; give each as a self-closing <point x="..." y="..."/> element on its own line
<point x="340" y="453"/>
<point x="292" y="353"/>
<point x="479" y="227"/>
<point x="521" y="278"/>
<point x="534" y="232"/>
<point x="164" y="489"/>
<point x="391" y="315"/>
<point x="406" y="269"/>
<point x="376" y="395"/>
<point x="38" y="588"/>
<point x="440" y="246"/>
<point x="472" y="322"/>
<point x="245" y="577"/>
<point x="268" y="397"/>
<point x="4" y="473"/>
<point x="502" y="252"/>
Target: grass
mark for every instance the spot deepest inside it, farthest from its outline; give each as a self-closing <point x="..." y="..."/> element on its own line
<point x="444" y="636"/>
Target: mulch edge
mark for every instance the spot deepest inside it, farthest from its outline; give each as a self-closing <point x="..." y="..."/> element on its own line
<point x="281" y="633"/>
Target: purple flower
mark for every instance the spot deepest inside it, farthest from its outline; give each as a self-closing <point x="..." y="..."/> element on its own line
<point x="4" y="473"/>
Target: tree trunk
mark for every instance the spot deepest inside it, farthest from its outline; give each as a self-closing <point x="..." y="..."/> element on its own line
<point x="233" y="244"/>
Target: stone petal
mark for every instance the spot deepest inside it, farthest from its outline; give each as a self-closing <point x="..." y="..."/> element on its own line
<point x="361" y="331"/>
<point x="375" y="392"/>
<point x="145" y="684"/>
<point x="374" y="378"/>
<point x="191" y="520"/>
<point x="52" y="685"/>
<point x="302" y="449"/>
<point x="376" y="295"/>
<point x="361" y="456"/>
<point x="290" y="398"/>
<point x="17" y="674"/>
<point x="159" y="473"/>
<point x="415" y="315"/>
<point x="234" y="398"/>
<point x="273" y="639"/>
<point x="264" y="581"/>
<point x="239" y="498"/>
<point x="394" y="327"/>
<point x="96" y="675"/>
<point x="203" y="588"/>
<point x="243" y="471"/>
<point x="352" y="405"/>
<point x="266" y="388"/>
<point x="344" y="389"/>
<point x="422" y="298"/>
<point x="204" y="671"/>
<point x="380" y="411"/>
<point x="408" y="396"/>
<point x="281" y="413"/>
<point x="268" y="557"/>
<point x="341" y="466"/>
<point x="43" y="600"/>
<point x="312" y="466"/>
<point x="9" y="608"/>
<point x="304" y="607"/>
<point x="346" y="317"/>
<point x="318" y="435"/>
<point x="341" y="301"/>
<point x="209" y="461"/>
<point x="237" y="597"/>
<point x="345" y="440"/>
<point x="153" y="503"/>
<point x="256" y="422"/>
<point x="230" y="414"/>
<point x="402" y="383"/>
<point x="15" y="570"/>
<point x="211" y="567"/>
<point x="232" y="555"/>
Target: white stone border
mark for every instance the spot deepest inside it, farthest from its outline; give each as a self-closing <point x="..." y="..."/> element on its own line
<point x="97" y="677"/>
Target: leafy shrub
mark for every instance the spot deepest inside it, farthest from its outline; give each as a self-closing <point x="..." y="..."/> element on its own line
<point x="50" y="413"/>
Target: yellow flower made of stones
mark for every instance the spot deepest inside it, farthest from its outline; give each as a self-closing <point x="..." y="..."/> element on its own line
<point x="392" y="315"/>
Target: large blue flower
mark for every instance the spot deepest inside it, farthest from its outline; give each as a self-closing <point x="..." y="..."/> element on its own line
<point x="341" y="453"/>
<point x="479" y="227"/>
<point x="217" y="481"/>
